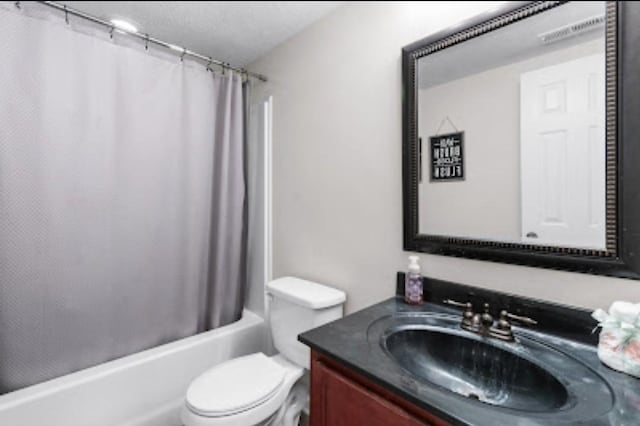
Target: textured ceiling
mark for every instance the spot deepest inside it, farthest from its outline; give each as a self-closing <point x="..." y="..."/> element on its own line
<point x="237" y="32"/>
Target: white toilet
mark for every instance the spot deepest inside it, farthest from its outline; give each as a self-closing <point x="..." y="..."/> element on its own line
<point x="261" y="390"/>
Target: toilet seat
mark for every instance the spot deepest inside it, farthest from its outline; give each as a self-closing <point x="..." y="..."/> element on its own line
<point x="242" y="391"/>
<point x="235" y="386"/>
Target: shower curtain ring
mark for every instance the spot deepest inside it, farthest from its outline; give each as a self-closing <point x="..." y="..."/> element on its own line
<point x="111" y="32"/>
<point x="224" y="68"/>
<point x="17" y="4"/>
<point x="184" y="52"/>
<point x="209" y="63"/>
<point x="66" y="14"/>
<point x="146" y="42"/>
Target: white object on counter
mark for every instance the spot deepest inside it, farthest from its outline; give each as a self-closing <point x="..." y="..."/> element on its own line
<point x="619" y="344"/>
<point x="626" y="312"/>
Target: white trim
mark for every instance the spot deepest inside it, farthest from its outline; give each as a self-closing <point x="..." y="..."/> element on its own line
<point x="268" y="187"/>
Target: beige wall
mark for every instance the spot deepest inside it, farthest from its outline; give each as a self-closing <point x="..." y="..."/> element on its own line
<point x="486" y="106"/>
<point x="337" y="161"/>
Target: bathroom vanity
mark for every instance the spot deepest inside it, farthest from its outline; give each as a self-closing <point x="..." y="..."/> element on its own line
<point x="396" y="364"/>
<point x="342" y="396"/>
<point x="519" y="146"/>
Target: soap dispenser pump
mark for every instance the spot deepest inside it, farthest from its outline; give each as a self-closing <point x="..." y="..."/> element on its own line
<point x="413" y="291"/>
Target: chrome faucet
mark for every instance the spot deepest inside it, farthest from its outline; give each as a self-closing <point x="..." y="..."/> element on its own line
<point x="484" y="323"/>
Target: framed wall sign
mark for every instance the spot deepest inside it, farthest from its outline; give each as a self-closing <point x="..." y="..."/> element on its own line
<point x="447" y="157"/>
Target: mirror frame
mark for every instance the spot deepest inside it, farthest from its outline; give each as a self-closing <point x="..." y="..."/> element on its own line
<point x="621" y="258"/>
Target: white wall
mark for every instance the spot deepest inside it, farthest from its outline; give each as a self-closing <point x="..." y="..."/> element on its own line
<point x="337" y="161"/>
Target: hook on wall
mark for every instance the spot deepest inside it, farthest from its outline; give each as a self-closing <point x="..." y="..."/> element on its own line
<point x="446" y="120"/>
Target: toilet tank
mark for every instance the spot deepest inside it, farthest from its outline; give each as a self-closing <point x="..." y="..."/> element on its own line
<point x="295" y="306"/>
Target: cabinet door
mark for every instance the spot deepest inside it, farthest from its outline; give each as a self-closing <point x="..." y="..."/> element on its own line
<point x="338" y="401"/>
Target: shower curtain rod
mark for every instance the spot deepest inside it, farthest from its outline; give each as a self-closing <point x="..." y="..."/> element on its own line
<point x="148" y="39"/>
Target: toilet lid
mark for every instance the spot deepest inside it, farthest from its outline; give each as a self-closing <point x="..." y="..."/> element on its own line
<point x="235" y="385"/>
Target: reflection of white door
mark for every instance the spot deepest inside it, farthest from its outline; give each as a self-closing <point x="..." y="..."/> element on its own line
<point x="562" y="134"/>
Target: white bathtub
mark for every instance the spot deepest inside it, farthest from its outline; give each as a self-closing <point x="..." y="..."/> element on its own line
<point x="146" y="388"/>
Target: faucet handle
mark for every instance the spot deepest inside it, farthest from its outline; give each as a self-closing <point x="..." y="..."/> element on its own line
<point x="467" y="315"/>
<point x="518" y="318"/>
<point x="468" y="307"/>
<point x="456" y="303"/>
<point x="502" y="329"/>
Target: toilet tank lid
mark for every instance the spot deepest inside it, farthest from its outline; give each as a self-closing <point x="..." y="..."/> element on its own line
<point x="306" y="293"/>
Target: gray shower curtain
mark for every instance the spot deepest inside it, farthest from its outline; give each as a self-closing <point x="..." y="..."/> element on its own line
<point x="122" y="197"/>
<point x="227" y="246"/>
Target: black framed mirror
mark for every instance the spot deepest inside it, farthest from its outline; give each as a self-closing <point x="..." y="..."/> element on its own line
<point x="520" y="137"/>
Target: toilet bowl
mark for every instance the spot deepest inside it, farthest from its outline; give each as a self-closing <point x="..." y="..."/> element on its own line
<point x="257" y="389"/>
<point x="249" y="390"/>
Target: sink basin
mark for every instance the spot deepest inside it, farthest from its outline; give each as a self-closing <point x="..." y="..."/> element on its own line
<point x="531" y="375"/>
<point x="476" y="369"/>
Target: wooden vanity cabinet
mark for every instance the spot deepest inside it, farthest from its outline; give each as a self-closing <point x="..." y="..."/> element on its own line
<point x="340" y="397"/>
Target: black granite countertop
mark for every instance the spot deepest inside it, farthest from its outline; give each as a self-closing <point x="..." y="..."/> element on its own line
<point x="349" y="341"/>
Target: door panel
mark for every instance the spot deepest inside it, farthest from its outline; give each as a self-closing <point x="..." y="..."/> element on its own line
<point x="562" y="110"/>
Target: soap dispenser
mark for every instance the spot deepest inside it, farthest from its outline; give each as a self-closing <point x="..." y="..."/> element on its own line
<point x="413" y="283"/>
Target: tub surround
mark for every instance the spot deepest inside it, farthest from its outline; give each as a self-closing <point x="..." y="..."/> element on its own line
<point x="143" y="389"/>
<point x="345" y="344"/>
